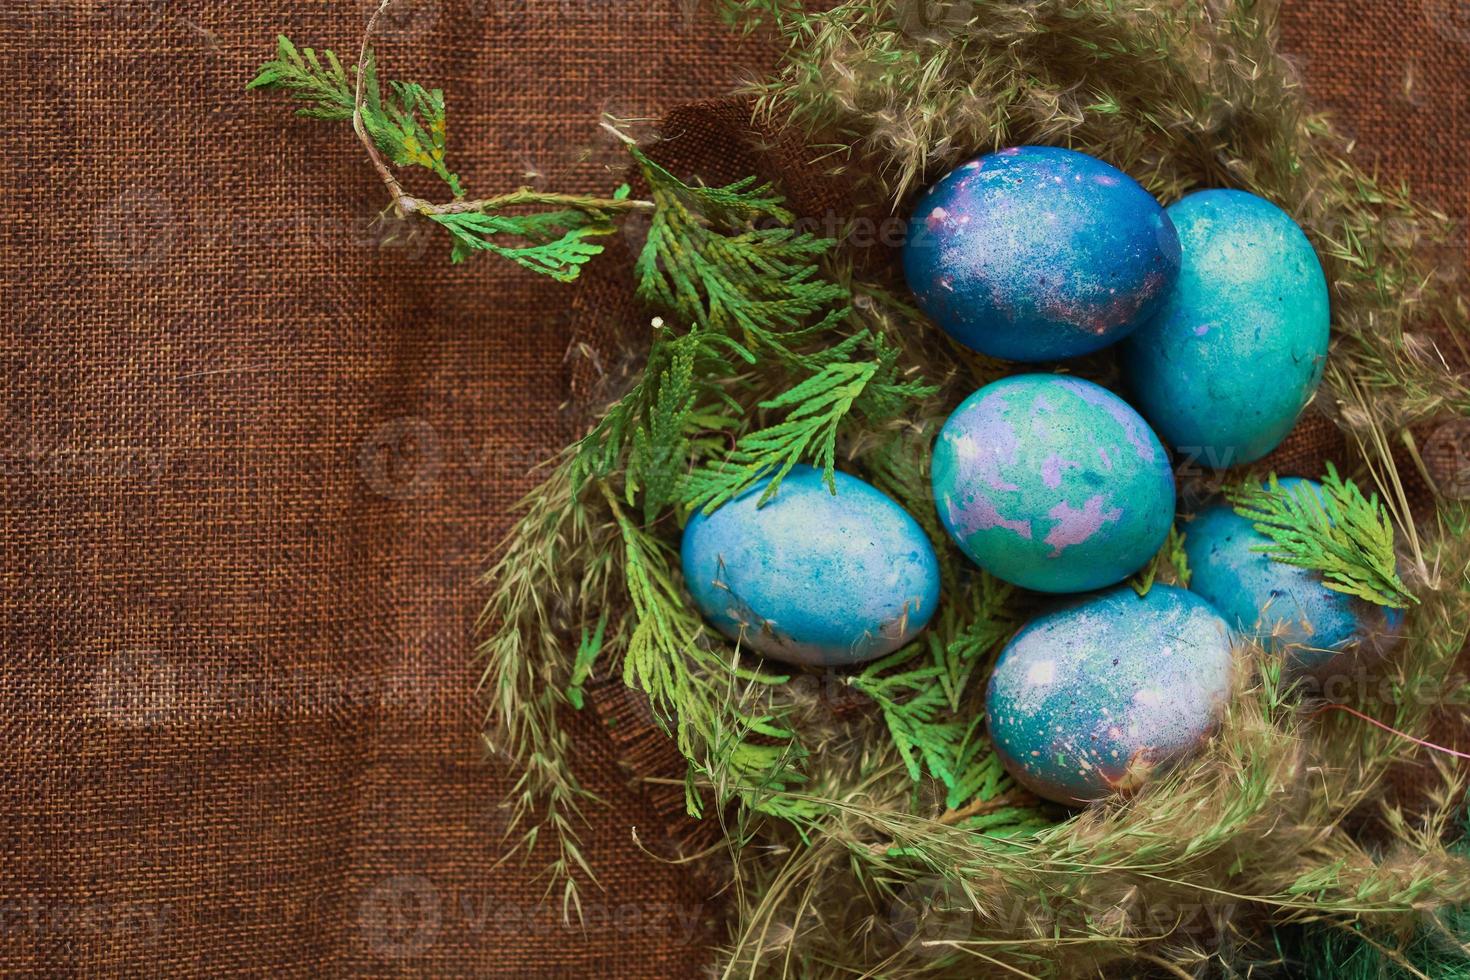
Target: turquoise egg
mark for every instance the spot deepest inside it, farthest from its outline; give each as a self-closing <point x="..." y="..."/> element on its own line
<point x="1288" y="609"/>
<point x="1237" y="351"/>
<point x="1090" y="700"/>
<point x="1053" y="483"/>
<point x="1037" y="253"/>
<point x="812" y="578"/>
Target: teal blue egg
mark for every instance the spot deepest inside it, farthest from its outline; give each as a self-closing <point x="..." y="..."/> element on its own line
<point x="1053" y="483"/>
<point x="811" y="577"/>
<point x="1226" y="367"/>
<point x="1290" y="610"/>
<point x="1092" y="699"/>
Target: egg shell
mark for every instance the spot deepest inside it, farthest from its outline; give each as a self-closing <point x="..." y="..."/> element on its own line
<point x="1288" y="609"/>
<point x="1037" y="253"/>
<point x="1053" y="483"/>
<point x="1090" y="700"/>
<point x="812" y="578"/>
<point x="1238" y="349"/>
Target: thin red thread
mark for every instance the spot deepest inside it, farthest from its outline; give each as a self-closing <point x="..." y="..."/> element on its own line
<point x="1393" y="731"/>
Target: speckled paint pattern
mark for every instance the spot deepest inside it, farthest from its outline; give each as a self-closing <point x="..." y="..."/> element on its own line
<point x="1038" y="253"/>
<point x="812" y="578"/>
<point x="1053" y="483"/>
<point x="1238" y="349"/>
<point x="1288" y="609"/>
<point x="1090" y="700"/>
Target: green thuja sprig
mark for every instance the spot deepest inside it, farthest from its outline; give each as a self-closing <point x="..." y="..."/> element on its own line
<point x="696" y="690"/>
<point x="1340" y="533"/>
<point x="408" y="124"/>
<point x="587" y="653"/>
<point x="755" y="296"/>
<point x="921" y="688"/>
<point x="648" y="436"/>
<point x="968" y="630"/>
<point x="707" y="262"/>
<point x="978" y="771"/>
<point x="555" y="243"/>
<point x="1169" y="564"/>
<point x="914" y="709"/>
<point x="815" y="412"/>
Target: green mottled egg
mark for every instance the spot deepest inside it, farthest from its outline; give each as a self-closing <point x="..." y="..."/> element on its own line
<point x="1053" y="483"/>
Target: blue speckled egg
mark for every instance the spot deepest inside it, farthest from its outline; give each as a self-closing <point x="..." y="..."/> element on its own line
<point x="1287" y="608"/>
<point x="1237" y="351"/>
<point x="1089" y="700"/>
<point x="1053" y="483"/>
<point x="813" y="578"/>
<point x="1038" y="253"/>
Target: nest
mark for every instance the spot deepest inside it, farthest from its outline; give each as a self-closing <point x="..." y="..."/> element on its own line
<point x="1281" y="842"/>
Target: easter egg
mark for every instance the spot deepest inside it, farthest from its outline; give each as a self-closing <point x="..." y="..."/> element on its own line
<point x="1237" y="351"/>
<point x="812" y="577"/>
<point x="1287" y="608"/>
<point x="1037" y="253"/>
<point x="1090" y="700"/>
<point x="1052" y="483"/>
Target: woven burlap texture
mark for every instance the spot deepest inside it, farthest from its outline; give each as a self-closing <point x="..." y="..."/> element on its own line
<point x="254" y="463"/>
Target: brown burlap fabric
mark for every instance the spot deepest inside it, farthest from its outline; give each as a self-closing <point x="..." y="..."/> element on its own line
<point x="253" y="463"/>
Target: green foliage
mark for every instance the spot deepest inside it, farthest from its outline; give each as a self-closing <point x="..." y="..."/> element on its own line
<point x="1439" y="948"/>
<point x="747" y="752"/>
<point x="749" y="297"/>
<point x="647" y="435"/>
<point x="587" y="652"/>
<point x="555" y="243"/>
<point x="705" y="262"/>
<point x="815" y="412"/>
<point x="913" y="704"/>
<point x="978" y="772"/>
<point x="1170" y="564"/>
<point x="1340" y="533"/>
<point x="921" y="690"/>
<point x="407" y="124"/>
